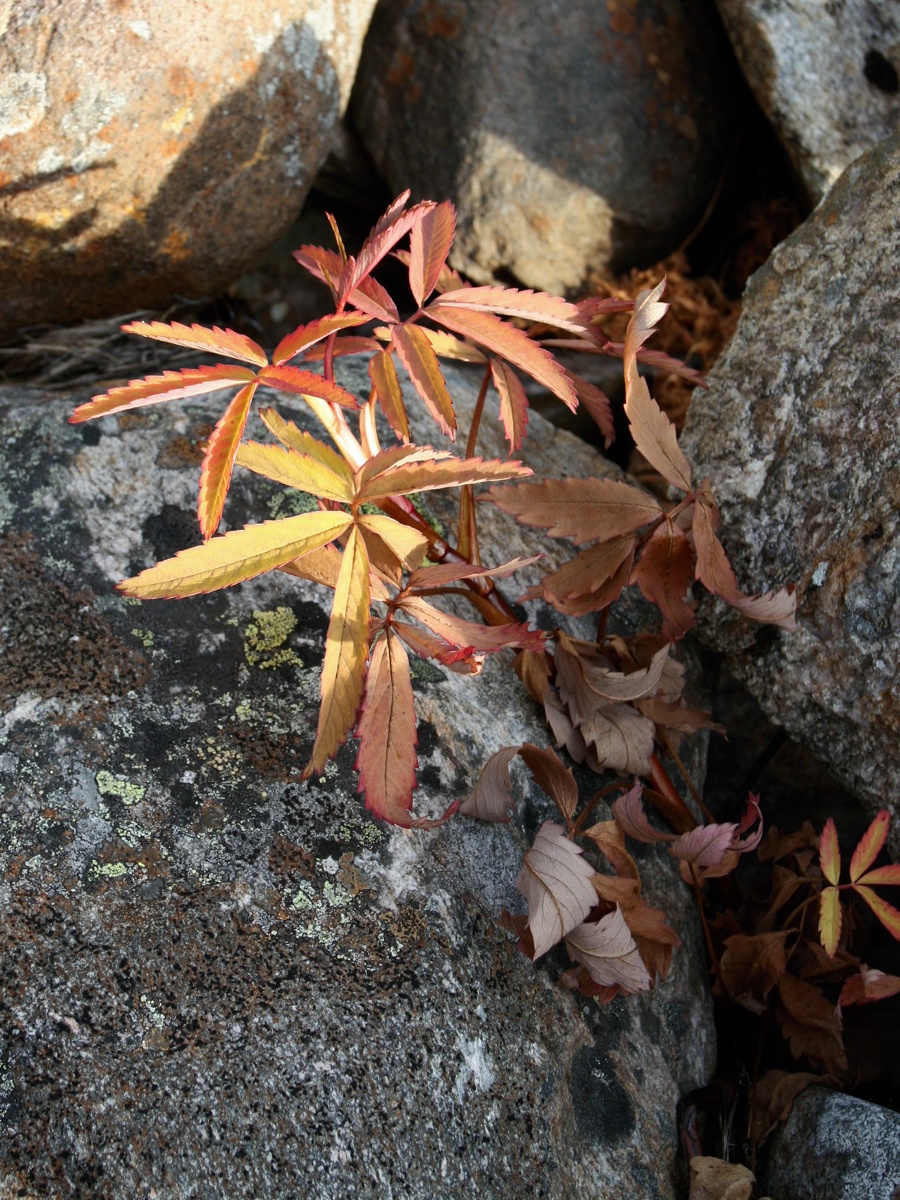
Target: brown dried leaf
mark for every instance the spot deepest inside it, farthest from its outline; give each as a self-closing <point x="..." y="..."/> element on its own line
<point x="715" y="1179"/>
<point x="610" y="841"/>
<point x="773" y="1099"/>
<point x="609" y="953"/>
<point x="664" y="573"/>
<point x="811" y="1024"/>
<point x="491" y="799"/>
<point x="552" y="777"/>
<point x="752" y="965"/>
<point x="556" y="882"/>
<point x="584" y="510"/>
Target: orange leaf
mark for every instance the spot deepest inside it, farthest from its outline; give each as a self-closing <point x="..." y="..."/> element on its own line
<point x="324" y="566"/>
<point x="441" y="574"/>
<point x="235" y="556"/>
<point x="462" y="633"/>
<point x="583" y="510"/>
<point x="211" y="341"/>
<point x="156" y="389"/>
<point x="383" y="375"/>
<point x="516" y="302"/>
<point x="307" y="335"/>
<point x="218" y="462"/>
<point x="510" y="343"/>
<point x="870" y="845"/>
<point x="830" y="853"/>
<point x="886" y="913"/>
<point x="664" y="573"/>
<point x="513" y="403"/>
<point x="552" y="777"/>
<point x="422" y="366"/>
<point x="491" y="799"/>
<point x="306" y="383"/>
<point x="435" y="470"/>
<point x="346" y="651"/>
<point x="429" y="243"/>
<point x="654" y="434"/>
<point x="830" y="920"/>
<point x="387" y="760"/>
<point x="610" y="841"/>
<point x="597" y="406"/>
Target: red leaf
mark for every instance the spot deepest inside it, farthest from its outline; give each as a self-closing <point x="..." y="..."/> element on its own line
<point x="513" y="403"/>
<point x="552" y="777"/>
<point x="510" y="343"/>
<point x="463" y="634"/>
<point x="324" y="265"/>
<point x="156" y="389"/>
<point x="394" y="225"/>
<point x="218" y="462"/>
<point x="830" y="853"/>
<point x="491" y="799"/>
<point x="306" y="383"/>
<point x="870" y="845"/>
<point x="609" y="952"/>
<point x="387" y="760"/>
<point x="429" y="244"/>
<point x="583" y="510"/>
<point x="515" y="302"/>
<point x="441" y="574"/>
<point x="422" y="366"/>
<point x="305" y="336"/>
<point x="664" y="573"/>
<point x="632" y="820"/>
<point x="597" y="405"/>
<point x="383" y="375"/>
<point x="556" y="882"/>
<point x="211" y="341"/>
<point x="374" y="300"/>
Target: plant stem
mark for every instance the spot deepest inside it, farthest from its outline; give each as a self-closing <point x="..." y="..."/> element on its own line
<point x="672" y="809"/>
<point x="667" y="742"/>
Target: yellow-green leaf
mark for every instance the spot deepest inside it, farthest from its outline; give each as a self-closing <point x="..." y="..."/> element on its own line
<point x="830" y="918"/>
<point x="408" y="545"/>
<point x="304" y="443"/>
<point x="235" y="556"/>
<point x="346" y="651"/>
<point x="295" y="470"/>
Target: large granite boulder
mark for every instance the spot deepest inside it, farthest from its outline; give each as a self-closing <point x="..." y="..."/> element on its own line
<point x="799" y="431"/>
<point x="219" y="980"/>
<point x="568" y="135"/>
<point x="148" y="151"/>
<point x="826" y="75"/>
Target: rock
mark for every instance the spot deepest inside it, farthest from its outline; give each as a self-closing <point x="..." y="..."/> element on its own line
<point x="799" y="433"/>
<point x="221" y="981"/>
<point x="149" y="151"/>
<point x="835" y="1145"/>
<point x="797" y="53"/>
<point x="568" y="135"/>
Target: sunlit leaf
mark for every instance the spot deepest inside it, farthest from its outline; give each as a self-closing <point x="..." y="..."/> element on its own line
<point x="513" y="403"/>
<point x="415" y="352"/>
<point x="304" y="443"/>
<point x="197" y="337"/>
<point x="582" y="510"/>
<point x="383" y="375"/>
<point x="306" y="383"/>
<point x="307" y="335"/>
<point x="346" y="651"/>
<point x="235" y="556"/>
<point x="540" y="307"/>
<point x="510" y="343"/>
<point x="462" y="633"/>
<point x="429" y="243"/>
<point x="218" y="462"/>
<point x="299" y="471"/>
<point x="387" y="759"/>
<point x="157" y="389"/>
<point x="438" y="471"/>
<point x="406" y="544"/>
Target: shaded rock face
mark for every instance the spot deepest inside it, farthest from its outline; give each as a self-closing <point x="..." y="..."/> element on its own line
<point x="799" y="433"/>
<point x="221" y="981"/>
<point x="835" y="1145"/>
<point x="826" y="75"/>
<point x="149" y="151"/>
<point x="568" y="135"/>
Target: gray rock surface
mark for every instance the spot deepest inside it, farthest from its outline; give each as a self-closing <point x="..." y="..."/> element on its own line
<point x="219" y="981"/>
<point x="155" y="150"/>
<point x="799" y="432"/>
<point x="568" y="134"/>
<point x="835" y="1145"/>
<point x="826" y="75"/>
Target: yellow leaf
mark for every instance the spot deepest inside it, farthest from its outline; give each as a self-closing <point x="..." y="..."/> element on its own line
<point x="830" y="920"/>
<point x="236" y="556"/>
<point x="295" y="470"/>
<point x="346" y="651"/>
<point x="408" y="545"/>
<point x="304" y="443"/>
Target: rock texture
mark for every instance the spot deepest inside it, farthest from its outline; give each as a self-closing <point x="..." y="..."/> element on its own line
<point x="568" y="134"/>
<point x="835" y="1145"/>
<point x="826" y="75"/>
<point x="799" y="431"/>
<point x="154" y="150"/>
<point x="220" y="981"/>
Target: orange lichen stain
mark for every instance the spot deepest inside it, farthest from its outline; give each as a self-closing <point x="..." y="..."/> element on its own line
<point x="402" y="69"/>
<point x="181" y="82"/>
<point x="621" y="16"/>
<point x="440" y="20"/>
<point x="176" y="245"/>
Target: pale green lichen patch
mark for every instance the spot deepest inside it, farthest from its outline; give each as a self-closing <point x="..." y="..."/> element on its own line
<point x="114" y="870"/>
<point x="265" y="636"/>
<point x="117" y="785"/>
<point x="144" y="636"/>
